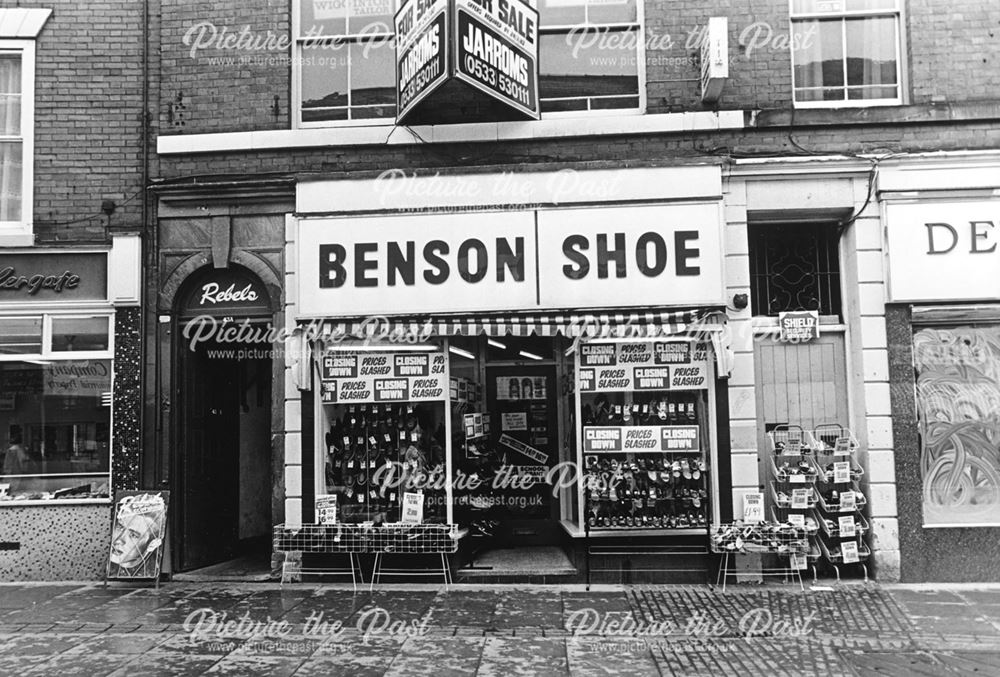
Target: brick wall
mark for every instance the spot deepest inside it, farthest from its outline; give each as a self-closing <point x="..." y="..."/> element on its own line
<point x="954" y="49"/>
<point x="213" y="90"/>
<point x="88" y="102"/>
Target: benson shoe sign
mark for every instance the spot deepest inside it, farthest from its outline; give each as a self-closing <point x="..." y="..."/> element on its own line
<point x="566" y="258"/>
<point x="489" y="48"/>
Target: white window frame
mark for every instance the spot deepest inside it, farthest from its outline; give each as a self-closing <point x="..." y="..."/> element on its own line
<point x="896" y="13"/>
<point x="640" y="55"/>
<point x="348" y="39"/>
<point x="298" y="123"/>
<point x="21" y="233"/>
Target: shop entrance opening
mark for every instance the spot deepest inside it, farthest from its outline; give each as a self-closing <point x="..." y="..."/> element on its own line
<point x="521" y="400"/>
<point x="222" y="465"/>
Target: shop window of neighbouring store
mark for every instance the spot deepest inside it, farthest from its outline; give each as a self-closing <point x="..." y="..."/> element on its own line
<point x="957" y="370"/>
<point x="794" y="268"/>
<point x="344" y="59"/>
<point x="55" y="407"/>
<point x="846" y="52"/>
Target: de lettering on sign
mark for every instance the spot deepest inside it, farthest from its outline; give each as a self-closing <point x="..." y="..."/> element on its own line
<point x="943" y="238"/>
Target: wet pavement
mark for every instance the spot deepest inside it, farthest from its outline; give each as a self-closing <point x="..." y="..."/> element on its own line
<point x="310" y="630"/>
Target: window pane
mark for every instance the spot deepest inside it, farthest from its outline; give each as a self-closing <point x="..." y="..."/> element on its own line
<point x="808" y="6"/>
<point x="10" y="181"/>
<point x="79" y="333"/>
<point x="10" y="95"/>
<point x="373" y="73"/>
<point x="563" y="106"/>
<point x="338" y="17"/>
<point x="324" y="76"/>
<point x="593" y="64"/>
<point x="58" y="417"/>
<point x="818" y="55"/>
<point x="871" y="51"/>
<point x="615" y="102"/>
<point x="862" y="93"/>
<point x="561" y="12"/>
<point x="20" y="336"/>
<point x="575" y="12"/>
<point x="958" y="420"/>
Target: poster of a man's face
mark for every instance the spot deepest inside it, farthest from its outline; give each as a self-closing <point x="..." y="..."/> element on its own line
<point x="137" y="535"/>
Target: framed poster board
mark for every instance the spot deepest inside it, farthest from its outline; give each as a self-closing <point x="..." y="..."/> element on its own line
<point x="138" y="535"/>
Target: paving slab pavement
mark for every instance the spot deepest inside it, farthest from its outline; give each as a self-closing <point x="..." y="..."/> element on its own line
<point x="301" y="630"/>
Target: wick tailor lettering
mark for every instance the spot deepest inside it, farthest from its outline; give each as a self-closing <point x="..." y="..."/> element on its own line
<point x="9" y="279"/>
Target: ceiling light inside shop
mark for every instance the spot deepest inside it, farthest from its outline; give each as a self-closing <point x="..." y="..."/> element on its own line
<point x="461" y="353"/>
<point x="496" y="344"/>
<point x="530" y="356"/>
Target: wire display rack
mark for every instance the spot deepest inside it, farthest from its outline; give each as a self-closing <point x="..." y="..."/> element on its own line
<point x="782" y="539"/>
<point x="369" y="538"/>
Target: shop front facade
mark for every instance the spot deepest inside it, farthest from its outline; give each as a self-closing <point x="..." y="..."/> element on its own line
<point x="542" y="373"/>
<point x="943" y="319"/>
<point x="69" y="369"/>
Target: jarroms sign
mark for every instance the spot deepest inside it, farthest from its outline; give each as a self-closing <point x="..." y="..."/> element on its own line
<point x="483" y="49"/>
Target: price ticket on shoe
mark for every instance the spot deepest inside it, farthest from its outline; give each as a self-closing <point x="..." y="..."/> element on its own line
<point x="847" y="526"/>
<point x="354" y="377"/>
<point x="798" y="562"/>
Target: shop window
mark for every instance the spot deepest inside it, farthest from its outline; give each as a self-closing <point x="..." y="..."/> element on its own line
<point x="55" y="407"/>
<point x="958" y="420"/>
<point x="345" y="60"/>
<point x="846" y="52"/>
<point x="589" y="55"/>
<point x="794" y="267"/>
<point x="56" y="421"/>
<point x="20" y="335"/>
<point x="79" y="334"/>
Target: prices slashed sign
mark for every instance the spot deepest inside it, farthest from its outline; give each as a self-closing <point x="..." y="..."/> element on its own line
<point x="496" y="50"/>
<point x="357" y="377"/>
<point x="650" y="365"/>
<point x="422" y="49"/>
<point x="638" y="439"/>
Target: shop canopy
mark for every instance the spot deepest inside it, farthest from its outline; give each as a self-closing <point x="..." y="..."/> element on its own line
<point x="696" y="325"/>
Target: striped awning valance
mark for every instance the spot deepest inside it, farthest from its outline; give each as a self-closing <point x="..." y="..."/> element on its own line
<point x="637" y="325"/>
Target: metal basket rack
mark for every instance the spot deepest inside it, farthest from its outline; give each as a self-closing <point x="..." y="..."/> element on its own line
<point x="814" y="498"/>
<point x="368" y="538"/>
<point x="794" y="474"/>
<point x="783" y="539"/>
<point x="833" y="438"/>
<point x="830" y="507"/>
<point x="861" y="525"/>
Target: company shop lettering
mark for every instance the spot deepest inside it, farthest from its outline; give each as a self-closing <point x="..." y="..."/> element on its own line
<point x="604" y="256"/>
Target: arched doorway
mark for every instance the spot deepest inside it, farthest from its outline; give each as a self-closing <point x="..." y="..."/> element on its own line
<point x="222" y="387"/>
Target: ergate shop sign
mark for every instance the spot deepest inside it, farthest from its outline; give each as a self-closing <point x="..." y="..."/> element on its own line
<point x="943" y="251"/>
<point x="662" y="255"/>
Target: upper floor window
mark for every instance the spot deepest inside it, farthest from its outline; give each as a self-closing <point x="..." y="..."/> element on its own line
<point x="590" y="53"/>
<point x="846" y="52"/>
<point x="590" y="58"/>
<point x="346" y="60"/>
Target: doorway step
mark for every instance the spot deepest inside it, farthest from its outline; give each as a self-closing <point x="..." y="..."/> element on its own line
<point x="254" y="567"/>
<point x="539" y="564"/>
